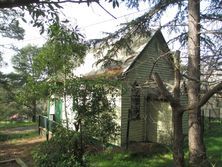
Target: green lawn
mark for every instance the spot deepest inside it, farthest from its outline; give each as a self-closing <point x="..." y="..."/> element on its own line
<point x="12" y="130"/>
<point x="14" y="124"/>
<point x="213" y="141"/>
<point x="130" y="160"/>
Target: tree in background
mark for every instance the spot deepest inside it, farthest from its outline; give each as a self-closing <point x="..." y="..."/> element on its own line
<point x="32" y="89"/>
<point x="10" y="85"/>
<point x="10" y="27"/>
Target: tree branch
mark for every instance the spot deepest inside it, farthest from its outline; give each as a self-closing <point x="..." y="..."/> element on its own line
<point x="106" y="10"/>
<point x="156" y="61"/>
<point x="16" y="3"/>
<point x="176" y="90"/>
<point x="210" y="93"/>
<point x="163" y="88"/>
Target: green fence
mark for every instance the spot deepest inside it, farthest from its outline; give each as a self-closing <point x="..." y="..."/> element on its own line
<point x="46" y="125"/>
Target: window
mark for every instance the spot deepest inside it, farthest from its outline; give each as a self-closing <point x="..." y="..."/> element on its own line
<point x="135" y="101"/>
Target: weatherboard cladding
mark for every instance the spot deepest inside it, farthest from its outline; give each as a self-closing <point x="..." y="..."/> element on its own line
<point x="139" y="71"/>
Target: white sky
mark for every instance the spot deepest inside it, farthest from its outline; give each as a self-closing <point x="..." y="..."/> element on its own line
<point x="92" y="21"/>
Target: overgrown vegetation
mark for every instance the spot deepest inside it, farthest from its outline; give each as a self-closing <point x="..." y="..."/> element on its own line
<point x="95" y="125"/>
<point x="95" y="108"/>
<point x="212" y="137"/>
<point x="66" y="148"/>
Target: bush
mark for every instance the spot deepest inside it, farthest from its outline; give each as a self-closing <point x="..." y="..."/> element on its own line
<point x="62" y="150"/>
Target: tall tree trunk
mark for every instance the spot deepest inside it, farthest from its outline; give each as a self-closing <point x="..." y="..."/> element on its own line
<point x="196" y="146"/>
<point x="178" y="154"/>
<point x="34" y="110"/>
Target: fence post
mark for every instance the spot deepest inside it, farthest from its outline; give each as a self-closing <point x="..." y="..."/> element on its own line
<point x="47" y="129"/>
<point x="209" y="119"/>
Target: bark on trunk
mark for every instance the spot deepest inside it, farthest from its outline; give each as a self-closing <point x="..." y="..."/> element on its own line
<point x="196" y="145"/>
<point x="178" y="154"/>
<point x="34" y="110"/>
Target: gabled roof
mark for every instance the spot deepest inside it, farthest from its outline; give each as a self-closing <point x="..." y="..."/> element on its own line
<point x="138" y="45"/>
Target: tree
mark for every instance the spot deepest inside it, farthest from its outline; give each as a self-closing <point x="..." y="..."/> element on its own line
<point x="94" y="107"/>
<point x="31" y="90"/>
<point x="10" y="84"/>
<point x="191" y="31"/>
<point x="10" y="27"/>
<point x="63" y="52"/>
<point x="16" y="3"/>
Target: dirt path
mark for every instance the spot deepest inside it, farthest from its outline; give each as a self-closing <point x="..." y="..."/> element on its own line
<point x="19" y="148"/>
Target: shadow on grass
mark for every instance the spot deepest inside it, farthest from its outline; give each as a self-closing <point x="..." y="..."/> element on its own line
<point x="127" y="159"/>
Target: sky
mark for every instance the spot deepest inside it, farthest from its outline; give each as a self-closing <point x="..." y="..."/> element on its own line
<point x="92" y="21"/>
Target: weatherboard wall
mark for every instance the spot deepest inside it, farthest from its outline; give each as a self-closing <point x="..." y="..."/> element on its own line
<point x="139" y="71"/>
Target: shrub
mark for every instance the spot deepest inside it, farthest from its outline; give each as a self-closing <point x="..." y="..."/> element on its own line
<point x="62" y="150"/>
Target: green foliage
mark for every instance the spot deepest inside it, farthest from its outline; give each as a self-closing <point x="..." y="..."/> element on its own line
<point x="62" y="150"/>
<point x="9" y="25"/>
<point x="43" y="15"/>
<point x="63" y="52"/>
<point x="31" y="88"/>
<point x="24" y="59"/>
<point x="212" y="137"/>
<point x="9" y="106"/>
<point x="94" y="107"/>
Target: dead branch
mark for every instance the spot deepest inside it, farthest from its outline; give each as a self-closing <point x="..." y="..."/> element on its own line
<point x="156" y="61"/>
<point x="177" y="79"/>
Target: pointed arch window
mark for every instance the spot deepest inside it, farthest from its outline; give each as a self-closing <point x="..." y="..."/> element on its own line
<point x="135" y="101"/>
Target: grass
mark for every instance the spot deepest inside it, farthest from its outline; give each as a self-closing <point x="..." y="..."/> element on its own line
<point x="15" y="124"/>
<point x="8" y="133"/>
<point x="7" y="137"/>
<point x="130" y="160"/>
<point x="213" y="142"/>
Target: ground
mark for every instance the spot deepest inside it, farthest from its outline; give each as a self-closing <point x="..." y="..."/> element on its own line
<point x="19" y="142"/>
